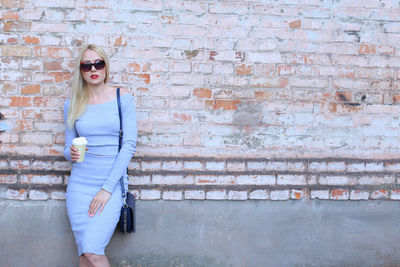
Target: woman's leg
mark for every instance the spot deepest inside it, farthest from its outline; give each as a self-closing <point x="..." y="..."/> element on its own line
<point x="97" y="260"/>
<point x="83" y="262"/>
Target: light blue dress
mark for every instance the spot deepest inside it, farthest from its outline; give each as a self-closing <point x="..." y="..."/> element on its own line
<point x="102" y="169"/>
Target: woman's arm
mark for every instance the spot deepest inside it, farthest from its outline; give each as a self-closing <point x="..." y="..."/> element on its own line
<point x="70" y="133"/>
<point x="129" y="127"/>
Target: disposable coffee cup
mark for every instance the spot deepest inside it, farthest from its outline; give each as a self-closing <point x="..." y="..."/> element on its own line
<point x="80" y="144"/>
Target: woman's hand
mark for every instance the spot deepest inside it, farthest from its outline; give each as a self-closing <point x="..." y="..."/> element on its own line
<point x="98" y="202"/>
<point x="74" y="153"/>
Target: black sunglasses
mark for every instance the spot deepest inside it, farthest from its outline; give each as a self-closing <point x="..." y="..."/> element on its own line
<point x="98" y="64"/>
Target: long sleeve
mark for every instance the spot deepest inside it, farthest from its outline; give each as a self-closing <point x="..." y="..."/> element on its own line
<point x="129" y="127"/>
<point x="70" y="133"/>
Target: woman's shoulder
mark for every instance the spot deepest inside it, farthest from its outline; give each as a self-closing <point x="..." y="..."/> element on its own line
<point x="124" y="91"/>
<point x="125" y="94"/>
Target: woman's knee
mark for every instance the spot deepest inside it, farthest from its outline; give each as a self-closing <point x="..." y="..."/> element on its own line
<point x="92" y="258"/>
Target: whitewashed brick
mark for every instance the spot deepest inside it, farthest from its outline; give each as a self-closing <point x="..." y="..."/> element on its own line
<point x="138" y="180"/>
<point x="17" y="194"/>
<point x="256" y="165"/>
<point x="150" y="194"/>
<point x="336" y="166"/>
<point x="279" y="195"/>
<point x="356" y="167"/>
<point x="377" y="179"/>
<point x="336" y="180"/>
<point x="295" y="166"/>
<point x="195" y="194"/>
<point x="40" y="179"/>
<point x="237" y="195"/>
<point x="259" y="194"/>
<point x="193" y="165"/>
<point x="216" y="194"/>
<point x="215" y="165"/>
<point x="172" y="165"/>
<point x="172" y="195"/>
<point x="276" y="165"/>
<point x="214" y="179"/>
<point x="134" y="165"/>
<point x="319" y="194"/>
<point x="291" y="179"/>
<point x="374" y="167"/>
<point x="380" y="194"/>
<point x="41" y="165"/>
<point x="256" y="179"/>
<point x="58" y="195"/>
<point x="19" y="164"/>
<point x="62" y="165"/>
<point x="151" y="165"/>
<point x="395" y="194"/>
<point x="172" y="179"/>
<point x="235" y="166"/>
<point x="392" y="167"/>
<point x="359" y="195"/>
<point x="38" y="194"/>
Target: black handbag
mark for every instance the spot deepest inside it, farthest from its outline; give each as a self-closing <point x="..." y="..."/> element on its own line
<point x="127" y="216"/>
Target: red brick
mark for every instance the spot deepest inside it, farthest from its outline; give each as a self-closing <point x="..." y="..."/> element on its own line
<point x="53" y="65"/>
<point x="387" y="50"/>
<point x="339" y="194"/>
<point x="13" y="3"/>
<point x="9" y="15"/>
<point x="367" y="49"/>
<point x="202" y="93"/>
<point x="47" y="101"/>
<point x="31" y="114"/>
<point x="12" y="40"/>
<point x="15" y="51"/>
<point x="23" y="125"/>
<point x="17" y="26"/>
<point x="263" y="95"/>
<point x="145" y="77"/>
<point x="30" y="89"/>
<point x="182" y="117"/>
<point x="244" y="70"/>
<point x="52" y="52"/>
<point x="134" y="67"/>
<point x="295" y="24"/>
<point x="31" y="39"/>
<point x="21" y="101"/>
<point x="222" y="104"/>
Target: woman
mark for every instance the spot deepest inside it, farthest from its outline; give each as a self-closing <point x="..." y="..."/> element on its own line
<point x="93" y="195"/>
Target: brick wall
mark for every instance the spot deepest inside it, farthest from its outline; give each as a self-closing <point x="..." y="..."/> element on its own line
<point x="236" y="100"/>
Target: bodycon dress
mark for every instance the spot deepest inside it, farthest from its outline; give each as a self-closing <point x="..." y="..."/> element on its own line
<point x="102" y="169"/>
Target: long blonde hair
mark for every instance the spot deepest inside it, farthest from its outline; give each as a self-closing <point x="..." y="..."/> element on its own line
<point x="79" y="93"/>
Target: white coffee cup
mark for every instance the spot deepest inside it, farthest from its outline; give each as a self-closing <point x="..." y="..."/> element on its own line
<point x="80" y="144"/>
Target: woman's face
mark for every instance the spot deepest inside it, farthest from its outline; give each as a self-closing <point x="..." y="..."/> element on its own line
<point x="93" y="76"/>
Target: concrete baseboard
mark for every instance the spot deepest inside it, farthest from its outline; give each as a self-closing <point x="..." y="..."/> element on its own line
<point x="214" y="233"/>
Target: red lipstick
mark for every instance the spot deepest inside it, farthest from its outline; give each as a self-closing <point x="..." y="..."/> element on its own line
<point x="94" y="76"/>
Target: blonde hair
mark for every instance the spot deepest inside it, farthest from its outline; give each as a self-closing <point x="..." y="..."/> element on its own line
<point x="79" y="93"/>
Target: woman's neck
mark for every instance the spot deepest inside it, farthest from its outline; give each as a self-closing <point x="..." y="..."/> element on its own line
<point x="96" y="91"/>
